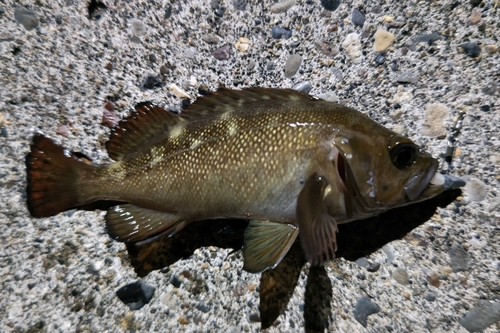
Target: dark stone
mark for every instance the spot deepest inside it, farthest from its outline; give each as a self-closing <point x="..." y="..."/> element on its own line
<point x="222" y="53"/>
<point x="377" y="9"/>
<point x="330" y="4"/>
<point x="168" y="11"/>
<point x="430" y="297"/>
<point x="95" y="9"/>
<point x="26" y="17"/>
<point x="203" y="307"/>
<point x="254" y="317"/>
<point x="58" y="19"/>
<point x="480" y="317"/>
<point x="459" y="258"/>
<point x="240" y="4"/>
<point x="485" y="108"/>
<point x="475" y="3"/>
<point x="152" y="57"/>
<point x="358" y="18"/>
<point x="471" y="49"/>
<point x="219" y="11"/>
<point x="379" y="59"/>
<point x="271" y="66"/>
<point x="490" y="88"/>
<point x="364" y="308"/>
<point x="151" y="82"/>
<point x="427" y="38"/>
<point x="278" y="32"/>
<point x="136" y="295"/>
<point x="174" y="280"/>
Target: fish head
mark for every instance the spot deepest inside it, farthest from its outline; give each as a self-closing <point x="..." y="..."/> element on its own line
<point x="383" y="170"/>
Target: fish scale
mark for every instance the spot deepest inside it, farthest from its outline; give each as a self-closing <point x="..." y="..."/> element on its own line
<point x="293" y="164"/>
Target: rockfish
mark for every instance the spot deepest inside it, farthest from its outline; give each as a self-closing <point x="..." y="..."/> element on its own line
<point x="292" y="164"/>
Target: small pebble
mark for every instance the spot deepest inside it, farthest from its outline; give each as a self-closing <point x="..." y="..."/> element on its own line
<point x="330" y="5"/>
<point x="178" y="91"/>
<point x="26" y="17"/>
<point x="352" y="45"/>
<point x="292" y="65"/>
<point x="58" y="18"/>
<point x="475" y="17"/>
<point x="387" y="19"/>
<point x="491" y="49"/>
<point x="222" y="53"/>
<point x="304" y="87"/>
<point x="240" y="4"/>
<point x="459" y="258"/>
<point x="489" y="88"/>
<point x="329" y="97"/>
<point x="138" y="28"/>
<point x="364" y="308"/>
<point x="486" y="313"/>
<point x="175" y="281"/>
<point x="283" y="6"/>
<point x="358" y="18"/>
<point x="426" y="38"/>
<point x="475" y="190"/>
<point x="406" y="294"/>
<point x="136" y="295"/>
<point x="278" y="32"/>
<point x="433" y="125"/>
<point x="407" y="77"/>
<point x="433" y="279"/>
<point x="210" y="38"/>
<point x="471" y="49"/>
<point x="379" y="59"/>
<point x="151" y="82"/>
<point x="168" y="11"/>
<point x="430" y="297"/>
<point x="183" y="320"/>
<point x="190" y="53"/>
<point x="242" y="44"/>
<point x="383" y="39"/>
<point x="270" y="66"/>
<point x="254" y="317"/>
<point x="401" y="276"/>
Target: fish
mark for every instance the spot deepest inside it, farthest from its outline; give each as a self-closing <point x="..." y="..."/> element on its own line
<point x="292" y="164"/>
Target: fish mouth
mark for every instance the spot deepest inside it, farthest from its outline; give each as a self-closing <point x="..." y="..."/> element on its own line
<point x="420" y="187"/>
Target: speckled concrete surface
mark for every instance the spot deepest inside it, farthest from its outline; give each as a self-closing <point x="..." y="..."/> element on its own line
<point x="59" y="66"/>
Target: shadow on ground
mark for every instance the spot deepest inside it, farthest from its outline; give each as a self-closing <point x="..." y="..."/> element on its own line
<point x="355" y="240"/>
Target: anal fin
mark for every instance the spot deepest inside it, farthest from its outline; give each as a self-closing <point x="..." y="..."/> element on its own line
<point x="131" y="223"/>
<point x="266" y="243"/>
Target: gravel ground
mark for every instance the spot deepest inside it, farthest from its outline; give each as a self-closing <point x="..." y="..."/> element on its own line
<point x="411" y="65"/>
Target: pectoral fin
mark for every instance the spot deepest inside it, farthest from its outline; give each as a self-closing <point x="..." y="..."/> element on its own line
<point x="266" y="243"/>
<point x="131" y="223"/>
<point x="317" y="227"/>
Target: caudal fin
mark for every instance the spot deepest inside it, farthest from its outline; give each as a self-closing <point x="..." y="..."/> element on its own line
<point x="52" y="173"/>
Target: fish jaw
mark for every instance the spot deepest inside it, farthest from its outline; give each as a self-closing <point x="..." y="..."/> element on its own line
<point x="419" y="188"/>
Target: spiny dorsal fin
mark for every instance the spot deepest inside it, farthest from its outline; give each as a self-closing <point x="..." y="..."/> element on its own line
<point x="144" y="127"/>
<point x="150" y="123"/>
<point x="224" y="100"/>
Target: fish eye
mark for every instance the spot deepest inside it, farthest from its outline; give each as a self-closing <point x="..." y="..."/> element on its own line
<point x="403" y="155"/>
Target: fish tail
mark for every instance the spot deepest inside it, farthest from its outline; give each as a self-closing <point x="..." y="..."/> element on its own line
<point x="52" y="174"/>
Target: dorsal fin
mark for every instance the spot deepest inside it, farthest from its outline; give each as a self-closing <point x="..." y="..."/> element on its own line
<point x="144" y="127"/>
<point x="150" y="123"/>
<point x="224" y="100"/>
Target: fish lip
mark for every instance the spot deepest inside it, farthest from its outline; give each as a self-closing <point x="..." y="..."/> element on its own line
<point x="419" y="185"/>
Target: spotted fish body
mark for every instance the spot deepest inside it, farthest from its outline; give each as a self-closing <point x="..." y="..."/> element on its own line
<point x="290" y="163"/>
